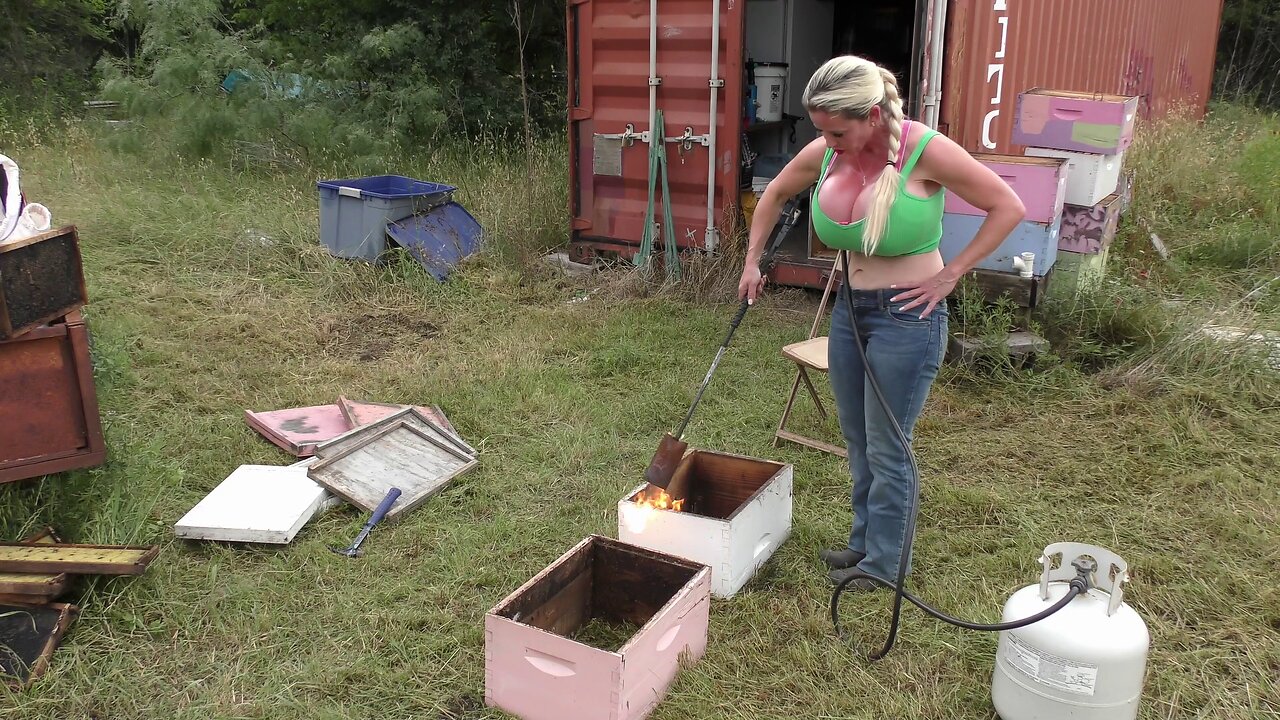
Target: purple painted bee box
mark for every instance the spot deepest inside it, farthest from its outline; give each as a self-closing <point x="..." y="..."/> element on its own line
<point x="1090" y="229"/>
<point x="1077" y="121"/>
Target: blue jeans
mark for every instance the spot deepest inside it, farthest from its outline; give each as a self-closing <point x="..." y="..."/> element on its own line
<point x="904" y="353"/>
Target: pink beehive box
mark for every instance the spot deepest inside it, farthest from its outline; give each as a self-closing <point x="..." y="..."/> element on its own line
<point x="1041" y="184"/>
<point x="535" y="669"/>
<point x="1077" y="121"/>
<point x="735" y="512"/>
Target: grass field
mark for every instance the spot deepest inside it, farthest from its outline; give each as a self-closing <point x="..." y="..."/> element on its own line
<point x="210" y="295"/>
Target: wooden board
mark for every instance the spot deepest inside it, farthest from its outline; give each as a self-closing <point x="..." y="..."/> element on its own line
<point x="1018" y="345"/>
<point x="22" y="587"/>
<point x="76" y="559"/>
<point x="722" y="483"/>
<point x="31" y="633"/>
<point x="398" y="455"/>
<point x="299" y="430"/>
<point x="255" y="503"/>
<point x="410" y="415"/>
<point x="632" y="584"/>
<point x="331" y="501"/>
<point x="364" y="412"/>
<point x="812" y="353"/>
<point x="561" y="603"/>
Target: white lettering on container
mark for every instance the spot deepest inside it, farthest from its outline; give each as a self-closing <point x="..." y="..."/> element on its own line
<point x="996" y="70"/>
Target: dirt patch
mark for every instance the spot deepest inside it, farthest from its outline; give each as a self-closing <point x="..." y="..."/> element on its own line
<point x="371" y="336"/>
<point x="463" y="706"/>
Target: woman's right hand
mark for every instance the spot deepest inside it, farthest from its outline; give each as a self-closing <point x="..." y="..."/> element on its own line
<point x="751" y="284"/>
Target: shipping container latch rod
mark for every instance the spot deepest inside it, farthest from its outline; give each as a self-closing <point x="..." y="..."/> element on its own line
<point x="628" y="136"/>
<point x="688" y="139"/>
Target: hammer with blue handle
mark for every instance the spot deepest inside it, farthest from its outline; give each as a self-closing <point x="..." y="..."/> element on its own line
<point x="383" y="507"/>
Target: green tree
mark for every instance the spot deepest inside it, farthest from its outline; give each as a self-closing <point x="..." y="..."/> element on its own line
<point x="321" y="76"/>
<point x="1249" y="52"/>
<point x="48" y="47"/>
<point x="468" y="53"/>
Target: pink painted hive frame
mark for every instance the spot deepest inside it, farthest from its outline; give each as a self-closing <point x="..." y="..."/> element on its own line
<point x="298" y="430"/>
<point x="535" y="670"/>
<point x="366" y="412"/>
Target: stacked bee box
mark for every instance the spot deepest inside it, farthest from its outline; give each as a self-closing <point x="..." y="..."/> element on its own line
<point x="1091" y="132"/>
<point x="1031" y="249"/>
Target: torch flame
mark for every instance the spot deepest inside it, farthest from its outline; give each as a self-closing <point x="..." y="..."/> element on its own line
<point x="658" y="499"/>
<point x="644" y="507"/>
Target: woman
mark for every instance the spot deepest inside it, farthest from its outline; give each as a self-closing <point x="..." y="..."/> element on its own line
<point x="879" y="194"/>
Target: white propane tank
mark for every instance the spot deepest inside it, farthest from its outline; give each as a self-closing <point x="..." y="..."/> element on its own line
<point x="1085" y="662"/>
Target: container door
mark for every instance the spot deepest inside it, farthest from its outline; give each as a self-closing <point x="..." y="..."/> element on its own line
<point x="626" y="58"/>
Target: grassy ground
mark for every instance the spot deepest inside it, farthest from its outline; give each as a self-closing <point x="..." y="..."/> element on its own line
<point x="210" y="295"/>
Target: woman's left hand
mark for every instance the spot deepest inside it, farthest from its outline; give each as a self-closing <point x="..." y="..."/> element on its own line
<point x="931" y="291"/>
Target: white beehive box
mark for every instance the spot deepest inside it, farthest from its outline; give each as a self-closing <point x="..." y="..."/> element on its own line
<point x="1090" y="177"/>
<point x="737" y="513"/>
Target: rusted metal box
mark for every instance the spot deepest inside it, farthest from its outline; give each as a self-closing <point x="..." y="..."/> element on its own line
<point x="736" y="513"/>
<point x="48" y="403"/>
<point x="540" y="662"/>
<point x="41" y="278"/>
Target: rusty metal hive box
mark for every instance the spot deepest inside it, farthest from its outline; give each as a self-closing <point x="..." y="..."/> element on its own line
<point x="48" y="402"/>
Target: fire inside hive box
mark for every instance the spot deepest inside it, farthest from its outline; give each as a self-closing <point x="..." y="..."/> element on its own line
<point x="550" y="645"/>
<point x="728" y="512"/>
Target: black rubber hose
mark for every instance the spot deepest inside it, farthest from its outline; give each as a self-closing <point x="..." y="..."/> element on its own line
<point x="1079" y="585"/>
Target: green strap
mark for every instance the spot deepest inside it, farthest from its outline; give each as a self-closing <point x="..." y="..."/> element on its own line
<point x="646" y="241"/>
<point x="911" y="162"/>
<point x="658" y="173"/>
<point x="668" y="224"/>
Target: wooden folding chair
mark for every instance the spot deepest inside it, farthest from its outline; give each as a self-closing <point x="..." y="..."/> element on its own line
<point x="810" y="354"/>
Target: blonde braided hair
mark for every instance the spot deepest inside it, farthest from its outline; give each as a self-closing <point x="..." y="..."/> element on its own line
<point x="850" y="86"/>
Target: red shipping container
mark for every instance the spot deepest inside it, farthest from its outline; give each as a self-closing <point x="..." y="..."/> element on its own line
<point x="960" y="64"/>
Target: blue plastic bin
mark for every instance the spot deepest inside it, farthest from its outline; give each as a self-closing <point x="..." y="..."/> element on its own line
<point x="354" y="213"/>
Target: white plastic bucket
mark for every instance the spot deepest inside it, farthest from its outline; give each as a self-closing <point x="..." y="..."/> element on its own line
<point x="771" y="82"/>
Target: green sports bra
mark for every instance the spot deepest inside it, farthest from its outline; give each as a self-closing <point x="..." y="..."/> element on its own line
<point x="914" y="226"/>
